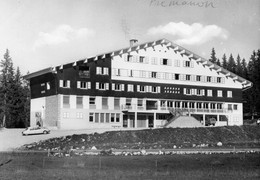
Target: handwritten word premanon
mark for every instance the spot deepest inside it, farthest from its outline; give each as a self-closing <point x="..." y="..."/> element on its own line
<point x="169" y="3"/>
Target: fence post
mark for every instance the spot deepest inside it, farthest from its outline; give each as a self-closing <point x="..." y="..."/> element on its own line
<point x="43" y="162"/>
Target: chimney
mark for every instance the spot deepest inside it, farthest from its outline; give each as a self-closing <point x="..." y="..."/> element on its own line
<point x="133" y="42"/>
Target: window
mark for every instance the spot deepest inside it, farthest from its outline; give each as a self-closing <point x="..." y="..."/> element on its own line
<point x="229" y="94"/>
<point x="218" y="79"/>
<point x="219" y="106"/>
<point x="112" y="119"/>
<point x="165" y="62"/>
<point x="104" y="103"/>
<point x="177" y="63"/>
<point x="117" y="117"/>
<point x="198" y="78"/>
<point x="117" y="103"/>
<point x="102" y="86"/>
<point x="102" y="117"/>
<point x="212" y="105"/>
<point x="142" y="88"/>
<point x="118" y="87"/>
<point x="65" y="84"/>
<point x="48" y="86"/>
<point x="186" y="63"/>
<point x="230" y="107"/>
<point x="91" y="117"/>
<point x="107" y="117"/>
<point x="141" y="59"/>
<point x="199" y="105"/>
<point x="96" y="117"/>
<point x="220" y="93"/>
<point x="118" y="72"/>
<point x="128" y="101"/>
<point x="83" y="85"/>
<point x="188" y="91"/>
<point x="66" y="101"/>
<point x="102" y="70"/>
<point x="84" y="72"/>
<point x="188" y="77"/>
<point x="154" y="89"/>
<point x="129" y="58"/>
<point x="130" y="73"/>
<point x="154" y="74"/>
<point x="177" y="76"/>
<point x="209" y="92"/>
<point x="163" y="103"/>
<point x="79" y="115"/>
<point x="209" y="78"/>
<point x="92" y="100"/>
<point x="154" y="60"/>
<point x="235" y="106"/>
<point x="130" y="88"/>
<point x="185" y="104"/>
<point x="169" y="103"/>
<point x="177" y="104"/>
<point x="205" y="105"/>
<point x="66" y="115"/>
<point x="143" y="74"/>
<point x="79" y="101"/>
<point x="199" y="93"/>
<point x="140" y="102"/>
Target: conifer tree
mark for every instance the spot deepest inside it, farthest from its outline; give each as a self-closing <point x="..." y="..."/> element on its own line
<point x="213" y="56"/>
<point x="224" y="61"/>
<point x="238" y="70"/>
<point x="218" y="62"/>
<point x="231" y="65"/>
<point x="6" y="89"/>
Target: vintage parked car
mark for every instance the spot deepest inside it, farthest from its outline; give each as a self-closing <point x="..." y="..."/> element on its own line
<point x="35" y="130"/>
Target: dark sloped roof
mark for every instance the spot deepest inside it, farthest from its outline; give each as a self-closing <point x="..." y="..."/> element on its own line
<point x="169" y="44"/>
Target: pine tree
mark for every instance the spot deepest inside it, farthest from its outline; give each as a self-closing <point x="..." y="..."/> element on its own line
<point x="244" y="69"/>
<point x="231" y="65"/>
<point x="218" y="62"/>
<point x="213" y="56"/>
<point x="6" y="89"/>
<point x="253" y="94"/>
<point x="224" y="61"/>
<point x="238" y="70"/>
<point x="14" y="96"/>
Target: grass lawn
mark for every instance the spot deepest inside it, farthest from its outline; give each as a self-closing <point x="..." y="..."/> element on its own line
<point x="32" y="166"/>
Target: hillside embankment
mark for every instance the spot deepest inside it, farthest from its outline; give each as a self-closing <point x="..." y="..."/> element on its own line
<point x="165" y="138"/>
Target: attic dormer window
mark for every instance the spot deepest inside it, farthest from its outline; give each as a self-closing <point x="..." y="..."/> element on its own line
<point x="164" y="61"/>
<point x="129" y="58"/>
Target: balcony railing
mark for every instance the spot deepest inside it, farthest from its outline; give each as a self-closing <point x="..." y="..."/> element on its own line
<point x="135" y="107"/>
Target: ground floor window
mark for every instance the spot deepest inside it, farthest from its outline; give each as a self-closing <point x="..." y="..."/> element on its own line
<point x="91" y="117"/>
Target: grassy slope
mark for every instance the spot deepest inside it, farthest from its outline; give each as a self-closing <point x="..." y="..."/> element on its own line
<point x="248" y="136"/>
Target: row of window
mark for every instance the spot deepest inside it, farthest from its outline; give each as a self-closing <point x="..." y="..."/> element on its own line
<point x="201" y="92"/>
<point x="166" y="75"/>
<point x="115" y="86"/>
<point x="143" y="88"/>
<point x="97" y="117"/>
<point x="142" y="102"/>
<point x="157" y="61"/>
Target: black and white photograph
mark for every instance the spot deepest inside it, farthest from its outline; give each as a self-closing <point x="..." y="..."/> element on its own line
<point x="129" y="89"/>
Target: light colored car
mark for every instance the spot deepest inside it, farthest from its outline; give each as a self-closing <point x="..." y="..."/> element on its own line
<point x="35" y="130"/>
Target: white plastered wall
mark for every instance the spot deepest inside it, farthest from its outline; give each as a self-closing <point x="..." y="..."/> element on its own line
<point x="119" y="62"/>
<point x="37" y="106"/>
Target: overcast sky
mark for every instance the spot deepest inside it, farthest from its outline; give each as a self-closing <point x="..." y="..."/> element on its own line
<point x="45" y="33"/>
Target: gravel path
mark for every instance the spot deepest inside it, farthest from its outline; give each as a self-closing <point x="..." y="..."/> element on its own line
<point x="11" y="139"/>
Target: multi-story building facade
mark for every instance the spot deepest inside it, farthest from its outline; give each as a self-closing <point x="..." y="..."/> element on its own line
<point x="136" y="87"/>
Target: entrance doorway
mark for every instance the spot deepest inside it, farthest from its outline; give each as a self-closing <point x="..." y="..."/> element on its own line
<point x="150" y="121"/>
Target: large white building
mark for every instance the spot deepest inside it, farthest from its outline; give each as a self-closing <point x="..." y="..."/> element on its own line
<point x="136" y="87"/>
